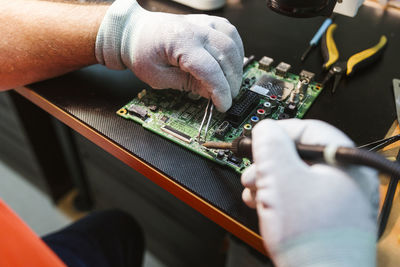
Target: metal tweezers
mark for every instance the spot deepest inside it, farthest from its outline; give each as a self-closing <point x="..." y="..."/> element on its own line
<point x="209" y="111"/>
<point x="377" y="145"/>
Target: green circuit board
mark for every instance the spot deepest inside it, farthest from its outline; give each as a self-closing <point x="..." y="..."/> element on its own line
<point x="177" y="115"/>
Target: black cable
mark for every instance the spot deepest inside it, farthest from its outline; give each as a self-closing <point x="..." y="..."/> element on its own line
<point x="387" y="204"/>
<point x="367" y="158"/>
<point x="350" y="155"/>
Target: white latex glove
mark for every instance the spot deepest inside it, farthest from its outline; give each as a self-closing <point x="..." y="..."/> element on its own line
<point x="317" y="215"/>
<point x="198" y="53"/>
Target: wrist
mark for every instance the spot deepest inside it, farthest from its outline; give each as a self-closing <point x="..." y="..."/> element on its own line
<point x="115" y="32"/>
<point x="342" y="247"/>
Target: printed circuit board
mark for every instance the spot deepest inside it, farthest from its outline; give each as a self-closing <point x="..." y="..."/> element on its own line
<point x="266" y="92"/>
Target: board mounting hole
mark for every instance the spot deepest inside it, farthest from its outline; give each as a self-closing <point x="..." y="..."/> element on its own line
<point x="122" y="111"/>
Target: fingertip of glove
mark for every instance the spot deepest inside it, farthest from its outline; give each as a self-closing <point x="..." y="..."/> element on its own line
<point x="271" y="142"/>
<point x="221" y="102"/>
<point x="249" y="198"/>
<point x="248" y="178"/>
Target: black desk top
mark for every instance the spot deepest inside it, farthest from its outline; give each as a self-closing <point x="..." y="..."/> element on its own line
<point x="363" y="107"/>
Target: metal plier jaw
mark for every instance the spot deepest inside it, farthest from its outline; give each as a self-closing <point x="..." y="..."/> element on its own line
<point x="354" y="63"/>
<point x="336" y="72"/>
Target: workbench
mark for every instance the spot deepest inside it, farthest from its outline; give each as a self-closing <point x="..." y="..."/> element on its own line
<point x="363" y="107"/>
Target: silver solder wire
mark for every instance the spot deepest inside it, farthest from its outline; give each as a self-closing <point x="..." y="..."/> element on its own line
<point x="209" y="120"/>
<point x="204" y="119"/>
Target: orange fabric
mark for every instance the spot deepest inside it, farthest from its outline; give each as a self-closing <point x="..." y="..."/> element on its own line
<point x="20" y="246"/>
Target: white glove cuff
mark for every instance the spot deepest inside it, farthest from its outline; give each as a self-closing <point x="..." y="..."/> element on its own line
<point x="116" y="29"/>
<point x="339" y="248"/>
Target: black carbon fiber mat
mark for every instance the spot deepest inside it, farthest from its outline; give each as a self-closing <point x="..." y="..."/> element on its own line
<point x="363" y="107"/>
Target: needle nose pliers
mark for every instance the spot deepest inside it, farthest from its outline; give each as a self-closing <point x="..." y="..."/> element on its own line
<point x="337" y="70"/>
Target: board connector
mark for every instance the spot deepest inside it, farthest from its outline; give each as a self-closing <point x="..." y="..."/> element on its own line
<point x="137" y="111"/>
<point x="175" y="133"/>
<point x="222" y="130"/>
<point x="242" y="108"/>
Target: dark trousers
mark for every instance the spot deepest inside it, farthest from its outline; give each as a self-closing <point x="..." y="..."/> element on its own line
<point x="102" y="239"/>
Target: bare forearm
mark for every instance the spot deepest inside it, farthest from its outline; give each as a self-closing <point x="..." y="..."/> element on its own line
<point x="40" y="39"/>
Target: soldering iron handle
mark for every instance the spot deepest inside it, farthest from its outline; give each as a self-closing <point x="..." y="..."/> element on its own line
<point x="242" y="147"/>
<point x="310" y="152"/>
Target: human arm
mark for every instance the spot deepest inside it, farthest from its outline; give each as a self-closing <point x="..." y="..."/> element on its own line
<point x="41" y="39"/>
<point x="198" y="53"/>
<point x="316" y="215"/>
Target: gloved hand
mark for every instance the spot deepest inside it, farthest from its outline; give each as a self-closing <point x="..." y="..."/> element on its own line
<point x="198" y="53"/>
<point x="317" y="215"/>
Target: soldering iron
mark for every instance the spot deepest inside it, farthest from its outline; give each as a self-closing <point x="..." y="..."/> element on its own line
<point x="242" y="147"/>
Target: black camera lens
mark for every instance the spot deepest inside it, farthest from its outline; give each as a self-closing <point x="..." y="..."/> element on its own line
<point x="302" y="8"/>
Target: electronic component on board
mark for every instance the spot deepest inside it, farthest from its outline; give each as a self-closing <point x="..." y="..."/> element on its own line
<point x="307" y="75"/>
<point x="141" y="94"/>
<point x="291" y="109"/>
<point x="248" y="61"/>
<point x="164" y="119"/>
<point x="265" y="63"/>
<point x="220" y="154"/>
<point x="267" y="107"/>
<point x="247" y="129"/>
<point x="283" y="116"/>
<point x="261" y="113"/>
<point x="273" y="99"/>
<point x="222" y="130"/>
<point x="138" y="111"/>
<point x="153" y="108"/>
<point x="254" y="120"/>
<point x="235" y="160"/>
<point x="282" y="69"/>
<point x="178" y="134"/>
<point x="268" y="85"/>
<point x="242" y="108"/>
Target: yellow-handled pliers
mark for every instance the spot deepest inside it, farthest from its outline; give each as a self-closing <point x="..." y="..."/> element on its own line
<point x="355" y="62"/>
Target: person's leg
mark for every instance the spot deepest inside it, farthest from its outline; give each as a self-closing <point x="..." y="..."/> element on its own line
<point x="102" y="239"/>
